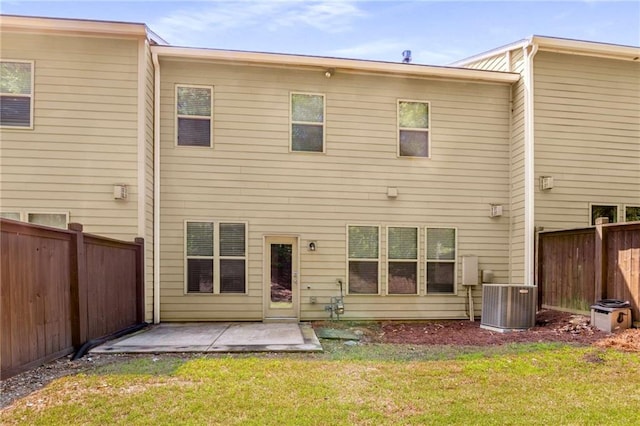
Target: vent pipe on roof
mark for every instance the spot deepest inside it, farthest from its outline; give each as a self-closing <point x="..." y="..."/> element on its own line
<point x="406" y="57"/>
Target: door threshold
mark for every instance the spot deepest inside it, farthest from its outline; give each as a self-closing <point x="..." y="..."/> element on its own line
<point x="281" y="320"/>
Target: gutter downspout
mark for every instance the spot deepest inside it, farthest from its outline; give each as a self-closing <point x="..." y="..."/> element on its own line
<point x="529" y="52"/>
<point x="156" y="188"/>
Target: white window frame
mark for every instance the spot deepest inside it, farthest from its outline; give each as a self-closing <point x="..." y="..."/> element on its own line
<point x="215" y="259"/>
<point x="416" y="260"/>
<point x="617" y="206"/>
<point x="427" y="130"/>
<point x="30" y="96"/>
<point x="26" y="217"/>
<point x="624" y="212"/>
<point x="311" y="123"/>
<point x="357" y="259"/>
<point x="197" y="117"/>
<point x="427" y="261"/>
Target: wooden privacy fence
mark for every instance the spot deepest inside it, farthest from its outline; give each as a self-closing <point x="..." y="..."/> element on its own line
<point x="61" y="288"/>
<point x="577" y="267"/>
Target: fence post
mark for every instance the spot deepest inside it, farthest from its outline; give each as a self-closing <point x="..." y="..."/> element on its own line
<point x="600" y="267"/>
<point x="78" y="290"/>
<point x="140" y="302"/>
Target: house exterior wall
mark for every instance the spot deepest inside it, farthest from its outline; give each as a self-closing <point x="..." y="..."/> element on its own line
<point x="148" y="183"/>
<point x="84" y="136"/>
<point x="497" y="62"/>
<point x="516" y="180"/>
<point x="250" y="175"/>
<point x="587" y="136"/>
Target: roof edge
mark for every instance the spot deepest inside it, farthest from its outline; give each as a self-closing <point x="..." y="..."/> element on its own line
<point x="79" y="26"/>
<point x="356" y="65"/>
<point x="561" y="45"/>
<point x="493" y="52"/>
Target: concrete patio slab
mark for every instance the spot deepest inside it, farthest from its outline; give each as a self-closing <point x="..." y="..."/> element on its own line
<point x="217" y="337"/>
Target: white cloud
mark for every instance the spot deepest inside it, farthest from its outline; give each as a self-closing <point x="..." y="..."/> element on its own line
<point x="187" y="26"/>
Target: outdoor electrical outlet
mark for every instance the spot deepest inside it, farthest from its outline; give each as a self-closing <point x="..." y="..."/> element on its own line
<point x="313" y="299"/>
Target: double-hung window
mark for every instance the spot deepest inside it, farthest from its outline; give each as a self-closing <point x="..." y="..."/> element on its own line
<point x="216" y="257"/>
<point x="16" y="94"/>
<point x="307" y="122"/>
<point x="194" y="106"/>
<point x="364" y="259"/>
<point x="413" y="129"/>
<point x="441" y="260"/>
<point x="402" y="260"/>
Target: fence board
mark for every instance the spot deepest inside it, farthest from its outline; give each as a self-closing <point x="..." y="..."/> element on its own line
<point x="580" y="266"/>
<point x="61" y="288"/>
<point x="567" y="273"/>
<point x="623" y="277"/>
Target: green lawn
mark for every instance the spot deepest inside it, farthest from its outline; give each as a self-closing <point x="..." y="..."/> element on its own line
<point x="526" y="384"/>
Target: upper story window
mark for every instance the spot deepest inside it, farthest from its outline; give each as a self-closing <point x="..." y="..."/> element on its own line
<point x="16" y="94"/>
<point x="307" y="122"/>
<point x="413" y="129"/>
<point x="194" y="106"/>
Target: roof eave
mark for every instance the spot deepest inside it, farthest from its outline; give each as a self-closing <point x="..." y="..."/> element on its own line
<point x="586" y="48"/>
<point x="72" y="26"/>
<point x="354" y="65"/>
<point x="561" y="45"/>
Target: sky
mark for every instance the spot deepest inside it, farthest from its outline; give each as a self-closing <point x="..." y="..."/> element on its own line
<point x="437" y="32"/>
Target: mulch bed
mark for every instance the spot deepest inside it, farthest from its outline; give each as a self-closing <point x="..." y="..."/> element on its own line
<point x="551" y="326"/>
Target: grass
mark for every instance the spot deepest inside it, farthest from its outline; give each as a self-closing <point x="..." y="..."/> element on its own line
<point x="364" y="385"/>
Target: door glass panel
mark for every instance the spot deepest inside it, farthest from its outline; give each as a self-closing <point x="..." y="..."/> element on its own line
<point x="281" y="276"/>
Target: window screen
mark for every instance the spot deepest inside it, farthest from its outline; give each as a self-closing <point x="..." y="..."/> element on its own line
<point x="441" y="260"/>
<point x="215" y="265"/>
<point x="413" y="129"/>
<point x="16" y="93"/>
<point x="363" y="248"/>
<point x="56" y="220"/>
<point x="610" y="212"/>
<point x="194" y="111"/>
<point x="632" y="213"/>
<point x="402" y="253"/>
<point x="232" y="257"/>
<point x="307" y="122"/>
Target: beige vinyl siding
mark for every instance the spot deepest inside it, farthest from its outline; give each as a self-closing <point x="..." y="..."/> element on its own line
<point x="250" y="175"/>
<point x="148" y="209"/>
<point x="492" y="63"/>
<point x="84" y="137"/>
<point x="516" y="242"/>
<point x="587" y="129"/>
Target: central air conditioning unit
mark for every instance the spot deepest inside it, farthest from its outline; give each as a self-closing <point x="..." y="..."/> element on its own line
<point x="508" y="307"/>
